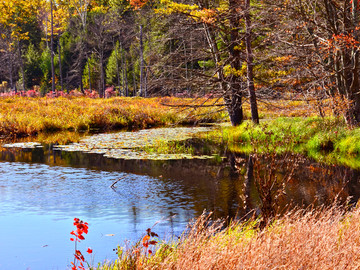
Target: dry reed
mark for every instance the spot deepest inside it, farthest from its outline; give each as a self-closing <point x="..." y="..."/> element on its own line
<point x="24" y="116"/>
<point x="312" y="239"/>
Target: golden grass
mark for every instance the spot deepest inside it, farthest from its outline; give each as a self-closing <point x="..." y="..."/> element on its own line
<point x="29" y="116"/>
<point x="312" y="239"/>
<point x="292" y="108"/>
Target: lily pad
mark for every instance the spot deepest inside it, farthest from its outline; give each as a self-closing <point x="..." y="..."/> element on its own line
<point x="24" y="145"/>
<point x="128" y="145"/>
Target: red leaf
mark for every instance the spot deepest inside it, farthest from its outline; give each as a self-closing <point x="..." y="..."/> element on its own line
<point x="76" y="221"/>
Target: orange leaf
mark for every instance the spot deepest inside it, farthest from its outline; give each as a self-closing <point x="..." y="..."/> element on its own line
<point x="146" y="238"/>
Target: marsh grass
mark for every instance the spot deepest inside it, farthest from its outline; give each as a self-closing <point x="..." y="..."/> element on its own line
<point x="169" y="147"/>
<point x="324" y="139"/>
<point x="24" y="116"/>
<point x="324" y="238"/>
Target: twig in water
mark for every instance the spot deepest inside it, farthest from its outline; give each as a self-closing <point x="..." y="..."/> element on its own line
<point x="113" y="184"/>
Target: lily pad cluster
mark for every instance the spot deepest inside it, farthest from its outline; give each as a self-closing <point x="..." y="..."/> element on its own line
<point x="24" y="145"/>
<point x="131" y="145"/>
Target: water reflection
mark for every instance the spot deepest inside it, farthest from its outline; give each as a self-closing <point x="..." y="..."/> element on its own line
<point x="305" y="182"/>
<point x="42" y="190"/>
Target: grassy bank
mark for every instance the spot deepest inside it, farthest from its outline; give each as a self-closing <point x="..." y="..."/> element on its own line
<point x="312" y="239"/>
<point x="325" y="139"/>
<point x="24" y="116"/>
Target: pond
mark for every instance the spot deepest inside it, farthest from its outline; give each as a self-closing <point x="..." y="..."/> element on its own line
<point x="43" y="189"/>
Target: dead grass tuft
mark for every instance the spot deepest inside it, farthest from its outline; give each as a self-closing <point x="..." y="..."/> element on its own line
<point x="311" y="239"/>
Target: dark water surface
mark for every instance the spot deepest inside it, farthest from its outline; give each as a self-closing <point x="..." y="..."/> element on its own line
<point x="42" y="190"/>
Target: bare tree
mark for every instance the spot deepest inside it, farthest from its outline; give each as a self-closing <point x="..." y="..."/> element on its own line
<point x="321" y="37"/>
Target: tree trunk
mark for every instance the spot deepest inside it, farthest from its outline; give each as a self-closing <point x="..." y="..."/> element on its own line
<point x="89" y="74"/>
<point x="142" y="90"/>
<point x="80" y="60"/>
<point x="60" y="68"/>
<point x="11" y="75"/>
<point x="134" y="80"/>
<point x="233" y="102"/>
<point x="235" y="110"/>
<point x="52" y="49"/>
<point x="117" y="69"/>
<point x="250" y="64"/>
<point x="236" y="93"/>
<point x="81" y="83"/>
<point x="125" y="74"/>
<point x="22" y="67"/>
<point x="102" y="76"/>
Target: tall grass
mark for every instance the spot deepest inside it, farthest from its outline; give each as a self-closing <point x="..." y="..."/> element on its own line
<point x="325" y="139"/>
<point x="29" y="116"/>
<point x="303" y="239"/>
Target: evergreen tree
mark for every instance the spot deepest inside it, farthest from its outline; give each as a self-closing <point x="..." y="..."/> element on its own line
<point x="33" y="72"/>
<point x="92" y="66"/>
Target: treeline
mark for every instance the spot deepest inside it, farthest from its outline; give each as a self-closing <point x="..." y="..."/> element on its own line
<point x="99" y="44"/>
<point x="239" y="50"/>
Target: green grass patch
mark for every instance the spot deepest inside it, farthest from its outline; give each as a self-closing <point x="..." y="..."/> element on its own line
<point x="324" y="139"/>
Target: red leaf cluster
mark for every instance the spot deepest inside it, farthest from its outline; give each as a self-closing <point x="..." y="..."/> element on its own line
<point x="81" y="228"/>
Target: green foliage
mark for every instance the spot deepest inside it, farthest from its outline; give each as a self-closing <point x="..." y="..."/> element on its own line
<point x="114" y="63"/>
<point x="45" y="65"/>
<point x="46" y="62"/>
<point x="206" y="64"/>
<point x="33" y="71"/>
<point x="93" y="64"/>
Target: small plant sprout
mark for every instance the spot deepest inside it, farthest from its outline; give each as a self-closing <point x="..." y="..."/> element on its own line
<point x="81" y="228"/>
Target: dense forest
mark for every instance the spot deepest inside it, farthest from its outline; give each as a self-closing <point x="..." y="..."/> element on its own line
<point x="237" y="50"/>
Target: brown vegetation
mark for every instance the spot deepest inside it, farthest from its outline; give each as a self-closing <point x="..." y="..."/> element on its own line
<point x="24" y="116"/>
<point x="303" y="239"/>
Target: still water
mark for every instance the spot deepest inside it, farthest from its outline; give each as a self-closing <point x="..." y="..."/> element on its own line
<point x="42" y="191"/>
<point x="39" y="202"/>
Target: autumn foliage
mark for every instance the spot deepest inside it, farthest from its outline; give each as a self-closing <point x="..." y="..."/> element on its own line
<point x="23" y="116"/>
<point x="78" y="235"/>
